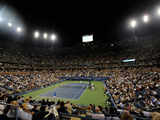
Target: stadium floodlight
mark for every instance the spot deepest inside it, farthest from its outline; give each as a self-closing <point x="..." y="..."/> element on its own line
<point x="158" y="11"/>
<point x="53" y="37"/>
<point x="9" y="24"/>
<point x="145" y="18"/>
<point x="1" y="19"/>
<point x="36" y="34"/>
<point x="133" y="23"/>
<point x="45" y="35"/>
<point x="19" y="29"/>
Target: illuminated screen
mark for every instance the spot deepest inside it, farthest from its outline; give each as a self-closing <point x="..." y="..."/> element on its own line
<point x="87" y="38"/>
<point x="129" y="60"/>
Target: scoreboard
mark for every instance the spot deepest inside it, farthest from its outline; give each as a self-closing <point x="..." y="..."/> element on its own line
<point x="87" y="38"/>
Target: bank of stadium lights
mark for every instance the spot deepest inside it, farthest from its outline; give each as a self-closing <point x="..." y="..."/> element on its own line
<point x="145" y="18"/>
<point x="45" y="36"/>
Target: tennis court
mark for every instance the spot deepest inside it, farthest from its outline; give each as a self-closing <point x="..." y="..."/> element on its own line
<point x="67" y="91"/>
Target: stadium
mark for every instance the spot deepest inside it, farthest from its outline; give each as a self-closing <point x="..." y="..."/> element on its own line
<point x="84" y="66"/>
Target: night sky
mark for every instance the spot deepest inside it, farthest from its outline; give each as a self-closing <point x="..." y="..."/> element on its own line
<point x="72" y="19"/>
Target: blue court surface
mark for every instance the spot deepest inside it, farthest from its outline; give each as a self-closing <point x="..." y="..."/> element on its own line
<point x="68" y="91"/>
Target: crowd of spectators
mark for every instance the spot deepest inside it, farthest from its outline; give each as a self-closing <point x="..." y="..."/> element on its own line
<point x="21" y="108"/>
<point x="29" y="109"/>
<point x="22" y="81"/>
<point x="135" y="88"/>
<point x="17" y="82"/>
<point x="105" y="58"/>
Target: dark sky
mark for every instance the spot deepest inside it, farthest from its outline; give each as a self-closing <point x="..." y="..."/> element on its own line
<point x="72" y="19"/>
